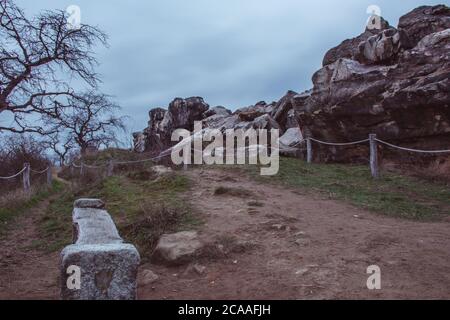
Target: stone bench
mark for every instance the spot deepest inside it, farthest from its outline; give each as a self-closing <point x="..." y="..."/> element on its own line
<point x="98" y="265"/>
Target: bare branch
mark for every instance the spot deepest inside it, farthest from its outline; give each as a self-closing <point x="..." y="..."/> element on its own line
<point x="32" y="54"/>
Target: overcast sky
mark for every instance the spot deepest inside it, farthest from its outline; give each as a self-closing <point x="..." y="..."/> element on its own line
<point x="231" y="52"/>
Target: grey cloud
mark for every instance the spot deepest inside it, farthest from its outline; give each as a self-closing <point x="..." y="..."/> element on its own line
<point x="231" y="52"/>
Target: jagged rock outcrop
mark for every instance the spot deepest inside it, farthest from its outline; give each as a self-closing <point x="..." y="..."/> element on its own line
<point x="217" y="111"/>
<point x="425" y="20"/>
<point x="350" y="48"/>
<point x="396" y="84"/>
<point x="182" y="113"/>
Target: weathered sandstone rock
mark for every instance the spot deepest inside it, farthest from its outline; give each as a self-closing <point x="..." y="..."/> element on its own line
<point x="177" y="248"/>
<point x="107" y="266"/>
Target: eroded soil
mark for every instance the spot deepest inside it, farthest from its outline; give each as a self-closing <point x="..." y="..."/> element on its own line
<point x="301" y="246"/>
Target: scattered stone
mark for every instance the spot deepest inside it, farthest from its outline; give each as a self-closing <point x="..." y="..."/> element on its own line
<point x="177" y="248"/>
<point x="301" y="271"/>
<point x="292" y="137"/>
<point x="149" y="277"/>
<point x="302" y="242"/>
<point x="161" y="170"/>
<point x="279" y="227"/>
<point x="194" y="269"/>
<point x="255" y="204"/>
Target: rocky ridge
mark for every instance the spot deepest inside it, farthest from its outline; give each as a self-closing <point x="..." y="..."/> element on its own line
<point x="394" y="82"/>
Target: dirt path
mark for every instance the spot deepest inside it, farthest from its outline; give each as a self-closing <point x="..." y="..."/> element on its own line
<point x="302" y="247"/>
<point x="25" y="271"/>
<point x="306" y="248"/>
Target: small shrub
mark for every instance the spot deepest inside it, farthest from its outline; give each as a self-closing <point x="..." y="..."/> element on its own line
<point x="143" y="175"/>
<point x="152" y="222"/>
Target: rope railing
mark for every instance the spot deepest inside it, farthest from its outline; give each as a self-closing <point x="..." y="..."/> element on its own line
<point x="340" y="143"/>
<point x="372" y="140"/>
<point x="411" y="150"/>
<point x="26" y="172"/>
<point x="15" y="175"/>
<point x="378" y="140"/>
<point x="39" y="172"/>
<point x="373" y="150"/>
<point x="93" y="167"/>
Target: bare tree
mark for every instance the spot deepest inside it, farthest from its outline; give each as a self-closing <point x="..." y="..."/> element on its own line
<point x="61" y="145"/>
<point x="34" y="54"/>
<point x="18" y="149"/>
<point x="90" y="120"/>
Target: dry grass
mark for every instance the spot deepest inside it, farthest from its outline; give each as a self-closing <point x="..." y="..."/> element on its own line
<point x="153" y="221"/>
<point x="141" y="209"/>
<point x="142" y="175"/>
<point x="17" y="202"/>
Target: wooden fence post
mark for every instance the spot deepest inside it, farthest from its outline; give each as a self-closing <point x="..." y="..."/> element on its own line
<point x="49" y="176"/>
<point x="374" y="156"/>
<point x="26" y="178"/>
<point x="110" y="168"/>
<point x="81" y="169"/>
<point x="309" y="151"/>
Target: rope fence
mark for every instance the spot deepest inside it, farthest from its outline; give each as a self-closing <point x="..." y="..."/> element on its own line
<point x="412" y="150"/>
<point x="26" y="171"/>
<point x="339" y="143"/>
<point x="13" y="176"/>
<point x="373" y="150"/>
<point x="309" y="150"/>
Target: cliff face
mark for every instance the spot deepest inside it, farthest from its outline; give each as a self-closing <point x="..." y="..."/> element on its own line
<point x="394" y="82"/>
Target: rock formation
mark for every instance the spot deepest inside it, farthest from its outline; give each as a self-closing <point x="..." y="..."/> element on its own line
<point x="182" y="113"/>
<point x="394" y="82"/>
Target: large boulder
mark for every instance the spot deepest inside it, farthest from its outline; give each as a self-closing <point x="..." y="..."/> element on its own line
<point x="350" y="47"/>
<point x="181" y="114"/>
<point x="425" y="20"/>
<point x="219" y="110"/>
<point x="292" y="137"/>
<point x="177" y="248"/>
<point x="399" y="92"/>
<point x="383" y="47"/>
<point x="139" y="141"/>
<point x="282" y="108"/>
